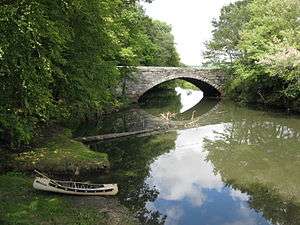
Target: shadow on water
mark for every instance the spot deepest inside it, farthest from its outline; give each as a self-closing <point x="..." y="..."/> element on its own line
<point x="258" y="153"/>
<point x="203" y="107"/>
<point x="238" y="166"/>
<point x="147" y="115"/>
<point x="243" y="168"/>
<point x="185" y="103"/>
<point x="131" y="160"/>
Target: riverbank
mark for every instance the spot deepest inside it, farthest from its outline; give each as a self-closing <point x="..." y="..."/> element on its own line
<point x="59" y="156"/>
<point x="32" y="207"/>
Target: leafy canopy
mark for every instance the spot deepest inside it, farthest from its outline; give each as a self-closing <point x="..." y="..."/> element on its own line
<point x="59" y="58"/>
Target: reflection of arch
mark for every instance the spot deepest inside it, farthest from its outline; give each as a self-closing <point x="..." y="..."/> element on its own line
<point x="209" y="81"/>
<point x="203" y="107"/>
<point x="211" y="116"/>
<point x="209" y="89"/>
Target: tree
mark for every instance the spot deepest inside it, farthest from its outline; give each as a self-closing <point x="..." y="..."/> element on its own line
<point x="270" y="67"/>
<point x="227" y="33"/>
<point x="164" y="53"/>
<point x="261" y="39"/>
<point x="59" y="58"/>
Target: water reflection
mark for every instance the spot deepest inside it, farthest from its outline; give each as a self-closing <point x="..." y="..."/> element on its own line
<point x="148" y="114"/>
<point x="131" y="160"/>
<point x="190" y="191"/>
<point x="188" y="98"/>
<point x="184" y="103"/>
<point x="192" y="171"/>
<point x="262" y="157"/>
<point x="159" y="101"/>
<point x="241" y="166"/>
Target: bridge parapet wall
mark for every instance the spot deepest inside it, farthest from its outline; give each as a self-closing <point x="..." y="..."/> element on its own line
<point x="146" y="78"/>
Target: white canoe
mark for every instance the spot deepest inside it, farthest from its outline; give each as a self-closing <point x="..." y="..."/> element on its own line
<point x="74" y="188"/>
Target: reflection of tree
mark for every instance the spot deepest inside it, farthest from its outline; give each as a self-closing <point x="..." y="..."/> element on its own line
<point x="147" y="217"/>
<point x="259" y="154"/>
<point x="155" y="102"/>
<point x="123" y="121"/>
<point x="130" y="159"/>
<point x="275" y="208"/>
<point x="159" y="100"/>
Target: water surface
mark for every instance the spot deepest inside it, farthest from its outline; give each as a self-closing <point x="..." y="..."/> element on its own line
<point x="236" y="166"/>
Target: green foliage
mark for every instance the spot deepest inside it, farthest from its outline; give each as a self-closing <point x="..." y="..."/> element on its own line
<point x="162" y="52"/>
<point x="223" y="47"/>
<point x="58" y="59"/>
<point x="151" y="42"/>
<point x="266" y="68"/>
<point x="172" y="84"/>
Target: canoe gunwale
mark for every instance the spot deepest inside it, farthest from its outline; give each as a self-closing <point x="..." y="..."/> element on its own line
<point x="47" y="184"/>
<point x="73" y="184"/>
<point x="103" y="189"/>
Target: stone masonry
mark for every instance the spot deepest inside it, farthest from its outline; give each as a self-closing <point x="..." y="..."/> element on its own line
<point x="211" y="82"/>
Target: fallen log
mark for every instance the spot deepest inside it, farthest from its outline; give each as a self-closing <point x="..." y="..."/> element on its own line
<point x="141" y="133"/>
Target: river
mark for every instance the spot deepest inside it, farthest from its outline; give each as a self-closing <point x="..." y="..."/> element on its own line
<point x="221" y="164"/>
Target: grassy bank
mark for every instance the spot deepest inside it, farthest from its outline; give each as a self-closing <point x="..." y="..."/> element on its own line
<point x="56" y="154"/>
<point x="60" y="155"/>
<point x="29" y="206"/>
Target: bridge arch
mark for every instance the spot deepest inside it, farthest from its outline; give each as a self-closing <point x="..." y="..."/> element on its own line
<point x="209" y="90"/>
<point x="209" y="81"/>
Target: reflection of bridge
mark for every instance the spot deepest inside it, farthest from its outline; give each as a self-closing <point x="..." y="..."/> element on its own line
<point x="211" y="82"/>
<point x="140" y="123"/>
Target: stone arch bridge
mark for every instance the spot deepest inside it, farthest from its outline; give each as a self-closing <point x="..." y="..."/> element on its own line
<point x="210" y="81"/>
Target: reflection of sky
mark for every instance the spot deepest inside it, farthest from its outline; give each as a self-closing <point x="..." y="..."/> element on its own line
<point x="189" y="190"/>
<point x="188" y="98"/>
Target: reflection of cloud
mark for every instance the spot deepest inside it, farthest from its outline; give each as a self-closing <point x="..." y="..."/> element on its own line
<point x="249" y="221"/>
<point x="187" y="184"/>
<point x="238" y="195"/>
<point x="179" y="176"/>
<point x="184" y="172"/>
<point x="246" y="218"/>
<point x="188" y="98"/>
<point x="173" y="215"/>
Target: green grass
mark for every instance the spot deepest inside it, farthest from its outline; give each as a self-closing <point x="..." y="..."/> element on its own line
<point x="21" y="204"/>
<point x="61" y="154"/>
<point x="186" y="85"/>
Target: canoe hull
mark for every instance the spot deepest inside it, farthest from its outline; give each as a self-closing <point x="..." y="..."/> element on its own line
<point x="46" y="185"/>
